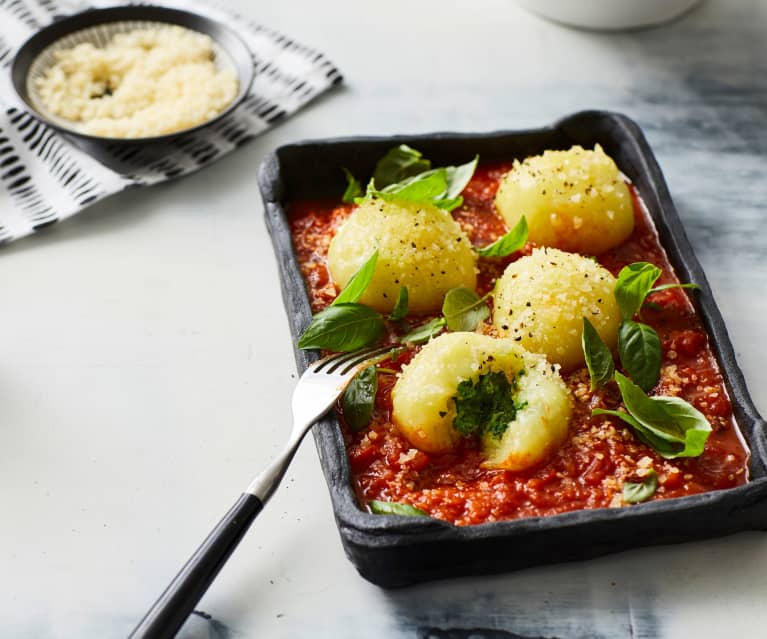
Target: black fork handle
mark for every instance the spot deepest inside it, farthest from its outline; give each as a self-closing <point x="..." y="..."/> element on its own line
<point x="174" y="605"/>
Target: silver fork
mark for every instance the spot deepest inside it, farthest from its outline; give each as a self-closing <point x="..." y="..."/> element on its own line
<point x="317" y="390"/>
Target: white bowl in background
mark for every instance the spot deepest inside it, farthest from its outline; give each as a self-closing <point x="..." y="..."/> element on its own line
<point x="609" y="15"/>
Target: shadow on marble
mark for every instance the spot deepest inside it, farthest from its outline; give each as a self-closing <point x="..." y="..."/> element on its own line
<point x="623" y="596"/>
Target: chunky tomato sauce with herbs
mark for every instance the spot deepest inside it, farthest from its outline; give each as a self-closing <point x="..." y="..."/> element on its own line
<point x="589" y="470"/>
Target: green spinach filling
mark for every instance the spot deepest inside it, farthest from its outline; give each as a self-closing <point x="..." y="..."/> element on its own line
<point x="486" y="405"/>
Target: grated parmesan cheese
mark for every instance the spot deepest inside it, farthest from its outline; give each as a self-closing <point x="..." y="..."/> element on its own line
<point x="143" y="83"/>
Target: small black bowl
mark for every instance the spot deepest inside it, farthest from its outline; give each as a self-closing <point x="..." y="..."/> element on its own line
<point x="97" y="24"/>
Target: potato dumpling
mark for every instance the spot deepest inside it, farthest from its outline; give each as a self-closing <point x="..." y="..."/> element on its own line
<point x="541" y="299"/>
<point x="541" y="424"/>
<point x="574" y="200"/>
<point x="424" y="407"/>
<point x="419" y="246"/>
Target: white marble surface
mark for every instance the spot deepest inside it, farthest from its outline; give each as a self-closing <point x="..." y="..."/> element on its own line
<point x="146" y="365"/>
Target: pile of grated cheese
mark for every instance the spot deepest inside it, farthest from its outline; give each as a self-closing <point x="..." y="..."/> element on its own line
<point x="143" y="83"/>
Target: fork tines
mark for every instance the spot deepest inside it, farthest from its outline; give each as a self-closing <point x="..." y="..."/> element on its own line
<point x="348" y="361"/>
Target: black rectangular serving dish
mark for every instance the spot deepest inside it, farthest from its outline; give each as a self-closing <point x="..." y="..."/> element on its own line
<point x="395" y="551"/>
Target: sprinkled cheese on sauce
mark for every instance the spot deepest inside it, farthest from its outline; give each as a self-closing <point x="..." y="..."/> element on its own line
<point x="599" y="455"/>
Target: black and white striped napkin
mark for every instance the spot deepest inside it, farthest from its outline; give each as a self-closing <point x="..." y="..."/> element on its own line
<point x="45" y="178"/>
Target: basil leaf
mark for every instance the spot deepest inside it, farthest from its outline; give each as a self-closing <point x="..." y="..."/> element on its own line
<point x="649" y="413"/>
<point x="343" y="327"/>
<point x="353" y="188"/>
<point x="400" y="306"/>
<point x="669" y="424"/>
<point x="626" y="417"/>
<point x="693" y="422"/>
<point x="394" y="508"/>
<point x="356" y="286"/>
<point x="458" y="177"/>
<point x="514" y="240"/>
<point x="359" y="398"/>
<point x="640" y="353"/>
<point x="464" y="309"/>
<point x="634" y="493"/>
<point x="448" y="204"/>
<point x="599" y="359"/>
<point x="425" y="332"/>
<point x="661" y="446"/>
<point x="634" y="283"/>
<point x="440" y="187"/>
<point x="399" y="163"/>
<point x="424" y="187"/>
<point x="665" y="287"/>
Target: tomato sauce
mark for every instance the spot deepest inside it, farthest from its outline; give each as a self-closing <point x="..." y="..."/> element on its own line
<point x="600" y="453"/>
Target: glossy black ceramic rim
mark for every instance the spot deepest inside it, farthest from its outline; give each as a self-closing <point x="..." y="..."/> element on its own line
<point x="225" y="37"/>
<point x="395" y="551"/>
